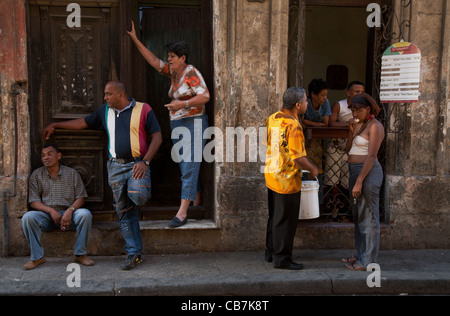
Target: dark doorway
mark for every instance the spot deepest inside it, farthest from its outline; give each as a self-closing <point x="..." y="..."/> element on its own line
<point x="331" y="40"/>
<point x="159" y="23"/>
<point x="69" y="68"/>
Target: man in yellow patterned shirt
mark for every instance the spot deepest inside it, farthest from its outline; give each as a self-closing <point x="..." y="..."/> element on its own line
<point x="285" y="159"/>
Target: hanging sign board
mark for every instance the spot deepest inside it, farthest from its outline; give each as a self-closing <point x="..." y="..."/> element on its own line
<point x="400" y="74"/>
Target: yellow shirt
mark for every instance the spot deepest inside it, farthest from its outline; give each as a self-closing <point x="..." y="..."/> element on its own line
<point x="285" y="143"/>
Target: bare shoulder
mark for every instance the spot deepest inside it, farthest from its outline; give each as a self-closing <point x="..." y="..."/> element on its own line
<point x="377" y="127"/>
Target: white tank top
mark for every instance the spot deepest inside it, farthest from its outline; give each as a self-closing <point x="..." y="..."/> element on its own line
<point x="345" y="113"/>
<point x="360" y="146"/>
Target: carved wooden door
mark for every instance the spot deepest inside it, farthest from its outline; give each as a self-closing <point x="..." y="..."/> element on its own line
<point x="69" y="68"/>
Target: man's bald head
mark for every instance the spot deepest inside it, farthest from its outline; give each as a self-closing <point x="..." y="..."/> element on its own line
<point x="118" y="85"/>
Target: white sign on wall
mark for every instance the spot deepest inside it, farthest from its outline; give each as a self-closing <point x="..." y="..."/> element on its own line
<point x="400" y="74"/>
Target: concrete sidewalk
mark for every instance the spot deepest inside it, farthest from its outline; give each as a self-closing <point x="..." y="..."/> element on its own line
<point x="403" y="272"/>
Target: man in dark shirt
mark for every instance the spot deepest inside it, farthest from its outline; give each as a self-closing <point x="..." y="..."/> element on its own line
<point x="56" y="195"/>
<point x="128" y="124"/>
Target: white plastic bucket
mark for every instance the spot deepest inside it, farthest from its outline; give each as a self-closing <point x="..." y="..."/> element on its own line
<point x="309" y="201"/>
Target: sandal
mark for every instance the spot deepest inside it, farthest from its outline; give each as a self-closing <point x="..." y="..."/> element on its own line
<point x="350" y="260"/>
<point x="356" y="267"/>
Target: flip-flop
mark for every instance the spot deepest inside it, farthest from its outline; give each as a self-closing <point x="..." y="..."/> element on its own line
<point x="352" y="266"/>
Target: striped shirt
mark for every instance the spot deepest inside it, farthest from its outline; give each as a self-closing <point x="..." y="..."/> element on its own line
<point x="127" y="130"/>
<point x="59" y="193"/>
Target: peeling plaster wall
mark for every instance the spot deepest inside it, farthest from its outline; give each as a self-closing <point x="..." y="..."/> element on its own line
<point x="250" y="44"/>
<point x="14" y="78"/>
<point x="419" y="204"/>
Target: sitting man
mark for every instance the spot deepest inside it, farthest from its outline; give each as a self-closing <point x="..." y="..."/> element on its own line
<point x="56" y="195"/>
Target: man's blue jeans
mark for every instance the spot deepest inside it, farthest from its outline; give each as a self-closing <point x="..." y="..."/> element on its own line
<point x="128" y="193"/>
<point x="35" y="222"/>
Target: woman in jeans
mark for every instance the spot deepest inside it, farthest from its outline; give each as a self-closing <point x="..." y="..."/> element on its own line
<point x="366" y="134"/>
<point x="189" y="95"/>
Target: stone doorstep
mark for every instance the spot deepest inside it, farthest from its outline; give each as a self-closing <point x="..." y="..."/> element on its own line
<point x="192" y="224"/>
<point x="105" y="238"/>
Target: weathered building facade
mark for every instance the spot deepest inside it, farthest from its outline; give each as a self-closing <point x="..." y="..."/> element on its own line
<point x="250" y="52"/>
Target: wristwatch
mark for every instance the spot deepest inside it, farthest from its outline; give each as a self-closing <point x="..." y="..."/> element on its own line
<point x="187" y="105"/>
<point x="146" y="162"/>
<point x="72" y="209"/>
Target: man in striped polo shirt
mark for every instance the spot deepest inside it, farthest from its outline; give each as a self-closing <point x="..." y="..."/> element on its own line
<point x="128" y="124"/>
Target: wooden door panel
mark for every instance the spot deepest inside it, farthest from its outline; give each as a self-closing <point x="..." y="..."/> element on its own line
<point x="78" y="60"/>
<point x="84" y="151"/>
<point x="69" y="71"/>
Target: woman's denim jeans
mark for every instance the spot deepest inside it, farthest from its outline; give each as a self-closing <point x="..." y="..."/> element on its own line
<point x="190" y="168"/>
<point x="128" y="193"/>
<point x="35" y="222"/>
<point x="366" y="213"/>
